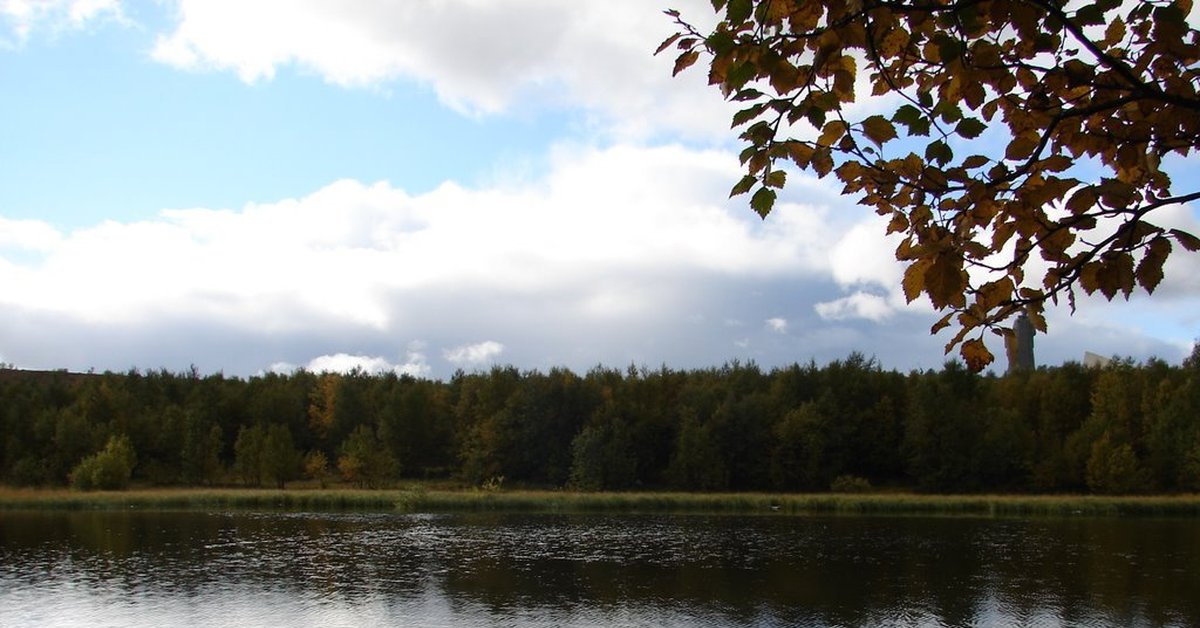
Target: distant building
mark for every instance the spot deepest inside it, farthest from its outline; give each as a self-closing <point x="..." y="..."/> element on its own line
<point x="1020" y="346"/>
<point x="1095" y="361"/>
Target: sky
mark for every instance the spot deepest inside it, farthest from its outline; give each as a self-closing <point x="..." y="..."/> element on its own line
<point x="432" y="185"/>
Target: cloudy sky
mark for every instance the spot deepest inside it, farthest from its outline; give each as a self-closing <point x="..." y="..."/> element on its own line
<point x="423" y="186"/>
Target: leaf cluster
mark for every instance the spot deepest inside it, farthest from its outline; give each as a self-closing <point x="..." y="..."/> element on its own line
<point x="1016" y="146"/>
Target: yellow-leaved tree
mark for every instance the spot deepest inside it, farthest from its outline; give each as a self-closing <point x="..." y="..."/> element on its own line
<point x="1019" y="152"/>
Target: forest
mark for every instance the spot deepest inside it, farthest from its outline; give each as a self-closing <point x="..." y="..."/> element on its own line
<point x="849" y="425"/>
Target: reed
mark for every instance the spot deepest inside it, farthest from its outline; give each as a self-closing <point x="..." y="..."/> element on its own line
<point x="421" y="499"/>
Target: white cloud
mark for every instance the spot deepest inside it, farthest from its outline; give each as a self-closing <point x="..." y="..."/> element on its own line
<point x="864" y="255"/>
<point x="777" y="325"/>
<point x="858" y="305"/>
<point x="415" y="364"/>
<point x="478" y="354"/>
<point x="623" y="237"/>
<point x="617" y="256"/>
<point x="479" y="57"/>
<point x="28" y="235"/>
<point x="23" y="17"/>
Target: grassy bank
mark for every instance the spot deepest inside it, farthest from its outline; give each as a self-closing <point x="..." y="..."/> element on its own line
<point x="423" y="500"/>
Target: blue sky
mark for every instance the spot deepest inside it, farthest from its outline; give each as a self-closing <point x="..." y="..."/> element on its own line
<point x="135" y="136"/>
<point x="426" y="186"/>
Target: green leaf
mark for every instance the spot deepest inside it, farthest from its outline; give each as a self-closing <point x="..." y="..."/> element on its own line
<point x="907" y="115"/>
<point x="939" y="151"/>
<point x="762" y="201"/>
<point x="747" y="114"/>
<point x="743" y="185"/>
<point x="738" y="11"/>
<point x="816" y="117"/>
<point x="970" y="128"/>
<point x="1089" y="14"/>
<point x="949" y="49"/>
<point x="740" y="74"/>
<point x="747" y="94"/>
<point x="720" y="42"/>
<point x="948" y="111"/>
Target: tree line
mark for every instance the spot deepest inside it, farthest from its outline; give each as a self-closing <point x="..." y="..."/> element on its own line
<point x="847" y="425"/>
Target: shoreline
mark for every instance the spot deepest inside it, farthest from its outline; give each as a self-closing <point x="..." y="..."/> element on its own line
<point x="422" y="500"/>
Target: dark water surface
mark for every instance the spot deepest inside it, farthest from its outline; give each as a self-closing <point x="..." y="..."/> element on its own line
<point x="240" y="569"/>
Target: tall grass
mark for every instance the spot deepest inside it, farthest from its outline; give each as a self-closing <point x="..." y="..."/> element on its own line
<point x="420" y="499"/>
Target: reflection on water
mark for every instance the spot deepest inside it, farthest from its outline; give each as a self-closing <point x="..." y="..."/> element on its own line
<point x="285" y="569"/>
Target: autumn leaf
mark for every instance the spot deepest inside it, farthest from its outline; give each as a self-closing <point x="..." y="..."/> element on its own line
<point x="1150" y="270"/>
<point x="914" y="279"/>
<point x="1022" y="146"/>
<point x="775" y="179"/>
<point x="1101" y="84"/>
<point x="976" y="354"/>
<point x="832" y="132"/>
<point x="1186" y="240"/>
<point x="878" y="130"/>
<point x="685" y="60"/>
<point x="945" y="282"/>
<point x="667" y="42"/>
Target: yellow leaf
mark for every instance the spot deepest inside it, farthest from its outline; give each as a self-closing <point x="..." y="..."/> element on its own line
<point x="992" y="294"/>
<point x="893" y="43"/>
<point x="800" y="153"/>
<point x="832" y="132"/>
<point x="878" y="129"/>
<point x="945" y="282"/>
<point x="822" y="162"/>
<point x="976" y="354"/>
<point x="942" y="323"/>
<point x="898" y="223"/>
<point x="914" y="278"/>
<point x="850" y="172"/>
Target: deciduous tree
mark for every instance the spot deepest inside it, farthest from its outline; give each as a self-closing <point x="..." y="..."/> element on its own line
<point x="1019" y="147"/>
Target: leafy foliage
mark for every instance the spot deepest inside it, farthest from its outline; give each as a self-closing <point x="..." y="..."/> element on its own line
<point x="1124" y="428"/>
<point x="363" y="461"/>
<point x="316" y="467"/>
<point x="108" y="469"/>
<point x="988" y="107"/>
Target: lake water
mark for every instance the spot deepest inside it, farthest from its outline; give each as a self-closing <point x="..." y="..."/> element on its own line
<point x="243" y="569"/>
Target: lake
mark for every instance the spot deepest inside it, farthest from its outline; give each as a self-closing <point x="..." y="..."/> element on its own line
<point x="280" y="569"/>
